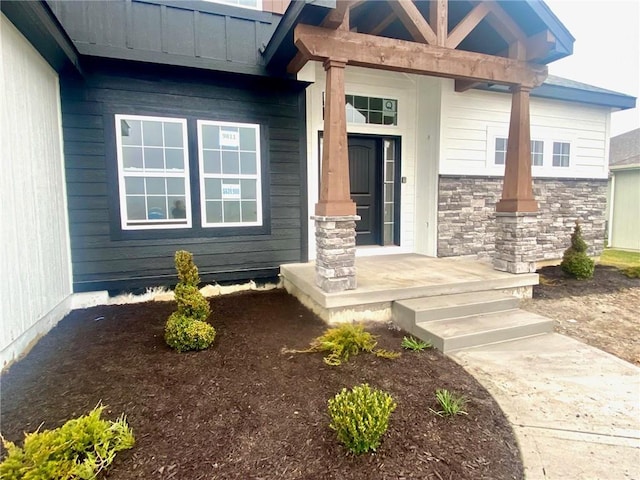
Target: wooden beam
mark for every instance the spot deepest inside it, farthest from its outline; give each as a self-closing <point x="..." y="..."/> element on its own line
<point x="380" y="27"/>
<point x="339" y="16"/>
<point x="503" y="24"/>
<point x="398" y="55"/>
<point x="413" y="21"/>
<point x="467" y="24"/>
<point x="517" y="189"/>
<point x="439" y="20"/>
<point x="539" y="45"/>
<point x="296" y="64"/>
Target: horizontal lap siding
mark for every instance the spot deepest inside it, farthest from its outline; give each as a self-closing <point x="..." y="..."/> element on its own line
<point x="102" y="259"/>
<point x="471" y="119"/>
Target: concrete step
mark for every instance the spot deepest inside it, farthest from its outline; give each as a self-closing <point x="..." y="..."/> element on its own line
<point x="464" y="332"/>
<point x="408" y="313"/>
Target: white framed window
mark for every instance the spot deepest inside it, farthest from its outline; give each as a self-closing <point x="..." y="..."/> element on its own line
<point x="537" y="153"/>
<point x="153" y="172"/>
<point x="252" y="4"/>
<point x="500" y="152"/>
<point x="230" y="177"/>
<point x="561" y="154"/>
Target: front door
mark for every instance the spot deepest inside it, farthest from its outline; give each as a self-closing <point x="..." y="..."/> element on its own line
<point x="365" y="161"/>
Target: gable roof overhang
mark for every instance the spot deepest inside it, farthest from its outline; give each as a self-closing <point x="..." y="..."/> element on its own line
<point x="41" y="28"/>
<point x="531" y="16"/>
<point x="558" y="88"/>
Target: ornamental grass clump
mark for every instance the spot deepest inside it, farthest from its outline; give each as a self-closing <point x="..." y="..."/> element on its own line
<point x="575" y="261"/>
<point x="186" y="328"/>
<point x="344" y="342"/>
<point x="80" y="449"/>
<point x="360" y="417"/>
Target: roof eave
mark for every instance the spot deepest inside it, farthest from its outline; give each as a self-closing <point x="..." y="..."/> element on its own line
<point x="564" y="39"/>
<point x="311" y="12"/>
<point x="38" y="24"/>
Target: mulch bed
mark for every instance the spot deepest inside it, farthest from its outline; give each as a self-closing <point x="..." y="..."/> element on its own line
<point x="243" y="409"/>
<point x="554" y="283"/>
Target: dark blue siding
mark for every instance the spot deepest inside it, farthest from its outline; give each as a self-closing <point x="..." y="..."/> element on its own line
<point x="104" y="256"/>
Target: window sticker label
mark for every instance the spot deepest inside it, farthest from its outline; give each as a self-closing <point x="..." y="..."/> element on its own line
<point x="231" y="191"/>
<point x="229" y="138"/>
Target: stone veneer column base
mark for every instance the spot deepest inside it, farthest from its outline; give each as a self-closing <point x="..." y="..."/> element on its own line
<point x="336" y="252"/>
<point x="516" y="242"/>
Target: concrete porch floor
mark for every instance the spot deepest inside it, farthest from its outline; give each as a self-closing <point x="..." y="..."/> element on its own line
<point x="381" y="280"/>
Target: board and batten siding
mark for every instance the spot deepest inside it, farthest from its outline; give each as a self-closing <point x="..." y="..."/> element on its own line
<point x="36" y="290"/>
<point x="471" y="120"/>
<point x="625" y="206"/>
<point x="105" y="257"/>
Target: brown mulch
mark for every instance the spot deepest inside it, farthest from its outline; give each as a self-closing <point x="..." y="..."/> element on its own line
<point x="556" y="284"/>
<point x="602" y="311"/>
<point x="243" y="409"/>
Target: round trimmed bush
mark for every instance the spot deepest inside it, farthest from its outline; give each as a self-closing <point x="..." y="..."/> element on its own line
<point x="183" y="333"/>
<point x="360" y="417"/>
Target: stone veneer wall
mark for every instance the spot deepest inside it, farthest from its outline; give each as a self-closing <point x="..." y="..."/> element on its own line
<point x="466" y="214"/>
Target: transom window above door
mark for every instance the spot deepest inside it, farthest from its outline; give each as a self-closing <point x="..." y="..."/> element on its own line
<point x="369" y="110"/>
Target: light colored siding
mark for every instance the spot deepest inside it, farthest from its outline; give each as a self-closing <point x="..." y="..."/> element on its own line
<point x="374" y="83"/>
<point x="625" y="227"/>
<point x="36" y="287"/>
<point x="471" y="121"/>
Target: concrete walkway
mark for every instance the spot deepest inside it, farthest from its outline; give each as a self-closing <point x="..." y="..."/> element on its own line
<point x="575" y="409"/>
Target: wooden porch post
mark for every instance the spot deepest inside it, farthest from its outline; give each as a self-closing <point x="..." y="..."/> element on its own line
<point x="335" y="191"/>
<point x="517" y="189"/>
<point x="335" y="213"/>
<point x="516" y="212"/>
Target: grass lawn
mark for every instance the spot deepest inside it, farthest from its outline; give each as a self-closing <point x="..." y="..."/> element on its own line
<point x="620" y="258"/>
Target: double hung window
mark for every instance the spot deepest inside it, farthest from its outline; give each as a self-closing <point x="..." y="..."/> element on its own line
<point x="154" y="179"/>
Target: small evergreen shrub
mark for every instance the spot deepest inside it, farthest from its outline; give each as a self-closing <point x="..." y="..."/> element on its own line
<point x="184" y="334"/>
<point x="80" y="449"/>
<point x="191" y="303"/>
<point x="186" y="328"/>
<point x="575" y="261"/>
<point x="187" y="270"/>
<point x="360" y="417"/>
<point x="344" y="342"/>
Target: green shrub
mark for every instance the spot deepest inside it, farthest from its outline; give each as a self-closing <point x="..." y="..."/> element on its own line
<point x="183" y="334"/>
<point x="187" y="270"/>
<point x="632" y="272"/>
<point x="411" y="343"/>
<point x="186" y="328"/>
<point x="450" y="404"/>
<point x="360" y="417"/>
<point x="343" y="342"/>
<point x="191" y="303"/>
<point x="79" y="449"/>
<point x="577" y="265"/>
<point x="575" y="261"/>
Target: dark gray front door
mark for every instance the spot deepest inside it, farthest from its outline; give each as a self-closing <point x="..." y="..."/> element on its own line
<point x="364" y="173"/>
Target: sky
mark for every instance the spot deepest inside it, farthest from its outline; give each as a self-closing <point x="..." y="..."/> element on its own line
<point x="606" y="52"/>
